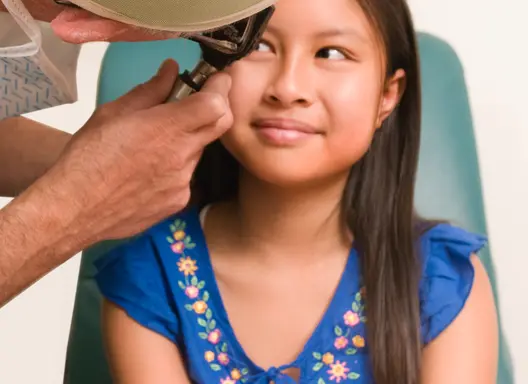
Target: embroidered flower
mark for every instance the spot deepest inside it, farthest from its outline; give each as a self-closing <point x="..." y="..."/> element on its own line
<point x="200" y="307"/>
<point x="209" y="356"/>
<point x="328" y="358"/>
<point x="192" y="292"/>
<point x="187" y="266"/>
<point x="214" y="336"/>
<point x="179" y="235"/>
<point x="194" y="289"/>
<point x="338" y="371"/>
<point x="358" y="341"/>
<point x="235" y="374"/>
<point x="351" y="318"/>
<point x="178" y="247"/>
<point x="340" y="342"/>
<point x="223" y="358"/>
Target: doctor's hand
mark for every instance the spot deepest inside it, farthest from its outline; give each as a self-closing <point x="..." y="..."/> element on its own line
<point x="131" y="164"/>
<point x="129" y="167"/>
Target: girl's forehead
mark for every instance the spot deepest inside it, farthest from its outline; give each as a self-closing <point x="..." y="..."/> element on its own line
<point x="317" y="17"/>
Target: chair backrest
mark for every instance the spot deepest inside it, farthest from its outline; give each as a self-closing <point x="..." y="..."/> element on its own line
<point x="448" y="185"/>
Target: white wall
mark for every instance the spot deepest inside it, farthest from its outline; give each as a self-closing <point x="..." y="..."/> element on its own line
<point x="488" y="36"/>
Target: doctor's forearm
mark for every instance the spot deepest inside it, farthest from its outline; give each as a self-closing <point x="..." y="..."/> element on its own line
<point x="39" y="231"/>
<point x="27" y="150"/>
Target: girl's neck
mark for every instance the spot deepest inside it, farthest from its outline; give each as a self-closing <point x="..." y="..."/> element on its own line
<point x="286" y="221"/>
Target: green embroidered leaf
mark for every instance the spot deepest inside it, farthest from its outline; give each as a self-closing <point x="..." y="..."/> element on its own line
<point x="243" y="380"/>
<point x="188" y="307"/>
<point x="215" y="367"/>
<point x="224" y="349"/>
<point x="205" y="296"/>
<point x="353" y="375"/>
<point x="201" y="284"/>
<point x="317" y="355"/>
<point x="183" y="225"/>
<point x="358" y="296"/>
<point x="202" y="322"/>
<point x="194" y="281"/>
<point x="177" y="224"/>
<point x="169" y="239"/>
<point x="187" y="240"/>
<point x="363" y="319"/>
<point x="355" y="307"/>
<point x="190" y="245"/>
<point x="317" y="367"/>
<point x="212" y="324"/>
<point x="172" y="228"/>
<point x="338" y="331"/>
<point x="321" y="381"/>
<point x="203" y="335"/>
<point x="182" y="286"/>
<point x="351" y="351"/>
<point x="208" y="314"/>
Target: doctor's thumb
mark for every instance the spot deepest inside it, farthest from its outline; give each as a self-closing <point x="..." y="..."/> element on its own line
<point x="151" y="93"/>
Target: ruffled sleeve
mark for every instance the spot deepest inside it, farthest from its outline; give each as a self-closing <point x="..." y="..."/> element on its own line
<point x="448" y="276"/>
<point x="131" y="276"/>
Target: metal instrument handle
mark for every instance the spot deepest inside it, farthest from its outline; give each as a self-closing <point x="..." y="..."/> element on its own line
<point x="188" y="83"/>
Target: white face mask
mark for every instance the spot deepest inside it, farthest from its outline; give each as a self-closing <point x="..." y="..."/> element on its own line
<point x="35" y="73"/>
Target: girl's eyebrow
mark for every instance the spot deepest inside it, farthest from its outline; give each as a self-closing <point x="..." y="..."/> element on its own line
<point x="341" y="32"/>
<point x="333" y="32"/>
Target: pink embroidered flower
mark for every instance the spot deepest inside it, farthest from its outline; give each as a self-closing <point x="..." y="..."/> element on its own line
<point x="178" y="247"/>
<point x="351" y="318"/>
<point x="227" y="380"/>
<point x="214" y="336"/>
<point x="223" y="358"/>
<point x="209" y="356"/>
<point x="192" y="292"/>
<point x="340" y="342"/>
<point x="338" y="371"/>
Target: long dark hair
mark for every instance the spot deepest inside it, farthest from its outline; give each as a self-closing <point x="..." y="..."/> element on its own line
<point x="377" y="206"/>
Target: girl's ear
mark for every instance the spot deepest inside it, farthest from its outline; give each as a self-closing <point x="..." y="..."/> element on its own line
<point x="391" y="96"/>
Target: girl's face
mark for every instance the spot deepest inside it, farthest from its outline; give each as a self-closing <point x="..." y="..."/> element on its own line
<point x="307" y="102"/>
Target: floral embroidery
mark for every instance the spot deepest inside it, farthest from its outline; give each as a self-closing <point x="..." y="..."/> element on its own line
<point x="218" y="354"/>
<point x="338" y="371"/>
<point x="187" y="266"/>
<point x="328" y="358"/>
<point x="358" y="341"/>
<point x="347" y="339"/>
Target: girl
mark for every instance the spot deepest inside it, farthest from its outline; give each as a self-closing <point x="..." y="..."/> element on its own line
<point x="301" y="258"/>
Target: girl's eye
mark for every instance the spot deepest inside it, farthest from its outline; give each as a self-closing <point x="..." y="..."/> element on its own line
<point x="331" y="53"/>
<point x="263" y="47"/>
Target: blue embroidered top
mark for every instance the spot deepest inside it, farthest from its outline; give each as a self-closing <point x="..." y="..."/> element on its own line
<point x="164" y="280"/>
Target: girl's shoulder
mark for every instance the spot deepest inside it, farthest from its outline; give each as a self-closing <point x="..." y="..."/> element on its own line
<point x="447" y="275"/>
<point x="134" y="275"/>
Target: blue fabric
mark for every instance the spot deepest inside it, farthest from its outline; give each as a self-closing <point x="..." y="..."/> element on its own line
<point x="164" y="280"/>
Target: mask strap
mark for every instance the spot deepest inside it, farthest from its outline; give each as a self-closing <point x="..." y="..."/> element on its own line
<point x="28" y="24"/>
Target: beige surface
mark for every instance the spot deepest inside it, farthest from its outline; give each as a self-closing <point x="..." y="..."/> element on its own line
<point x="175" y="15"/>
